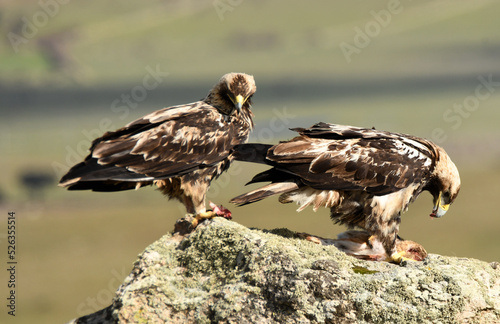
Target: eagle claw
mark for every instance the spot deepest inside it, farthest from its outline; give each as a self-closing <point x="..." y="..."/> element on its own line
<point x="216" y="211"/>
<point x="398" y="258"/>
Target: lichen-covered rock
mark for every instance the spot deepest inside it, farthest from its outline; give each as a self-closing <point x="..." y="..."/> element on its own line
<point x="225" y="272"/>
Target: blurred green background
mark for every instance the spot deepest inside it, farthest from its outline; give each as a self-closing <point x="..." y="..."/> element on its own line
<point x="70" y="71"/>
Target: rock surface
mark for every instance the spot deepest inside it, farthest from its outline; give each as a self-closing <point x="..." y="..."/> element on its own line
<point x="225" y="272"/>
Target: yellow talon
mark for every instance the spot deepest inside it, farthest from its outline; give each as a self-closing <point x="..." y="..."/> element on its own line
<point x="206" y="215"/>
<point x="398" y="257"/>
<point x="201" y="216"/>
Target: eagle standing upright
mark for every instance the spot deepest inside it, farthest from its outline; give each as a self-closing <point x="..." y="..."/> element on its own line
<point x="366" y="177"/>
<point x="180" y="149"/>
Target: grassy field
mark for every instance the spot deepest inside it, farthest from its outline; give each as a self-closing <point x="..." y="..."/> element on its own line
<point x="57" y="92"/>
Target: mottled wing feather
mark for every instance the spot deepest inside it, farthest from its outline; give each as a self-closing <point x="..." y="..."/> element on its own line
<point x="162" y="144"/>
<point x="338" y="157"/>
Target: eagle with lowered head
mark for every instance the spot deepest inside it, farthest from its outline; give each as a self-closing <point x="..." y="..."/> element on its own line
<point x="179" y="149"/>
<point x="366" y="177"/>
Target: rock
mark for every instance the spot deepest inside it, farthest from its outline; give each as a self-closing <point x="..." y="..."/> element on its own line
<point x="225" y="272"/>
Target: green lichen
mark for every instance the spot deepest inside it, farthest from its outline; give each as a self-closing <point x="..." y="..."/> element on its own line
<point x="363" y="270"/>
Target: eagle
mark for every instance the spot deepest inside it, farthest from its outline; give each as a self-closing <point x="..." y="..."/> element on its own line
<point x="180" y="149"/>
<point x="365" y="176"/>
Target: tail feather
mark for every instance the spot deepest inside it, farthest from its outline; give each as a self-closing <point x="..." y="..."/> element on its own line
<point x="273" y="175"/>
<point x="282" y="182"/>
<point x="252" y="153"/>
<point x="90" y="175"/>
<point x="264" y="192"/>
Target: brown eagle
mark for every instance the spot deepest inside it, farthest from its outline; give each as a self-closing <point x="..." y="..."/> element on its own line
<point x="366" y="177"/>
<point x="180" y="149"/>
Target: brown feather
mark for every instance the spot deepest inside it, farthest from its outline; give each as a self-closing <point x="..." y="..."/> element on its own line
<point x="180" y="148"/>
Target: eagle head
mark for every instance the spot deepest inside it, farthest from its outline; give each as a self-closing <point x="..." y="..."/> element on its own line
<point x="446" y="184"/>
<point x="233" y="92"/>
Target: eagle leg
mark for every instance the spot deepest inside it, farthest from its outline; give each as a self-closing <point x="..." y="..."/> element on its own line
<point x="216" y="211"/>
<point x="198" y="218"/>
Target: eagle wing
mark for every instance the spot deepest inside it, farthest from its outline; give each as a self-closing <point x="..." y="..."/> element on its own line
<point x="335" y="157"/>
<point x="169" y="142"/>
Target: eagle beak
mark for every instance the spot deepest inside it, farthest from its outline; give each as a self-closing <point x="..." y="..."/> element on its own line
<point x="440" y="207"/>
<point x="239" y="101"/>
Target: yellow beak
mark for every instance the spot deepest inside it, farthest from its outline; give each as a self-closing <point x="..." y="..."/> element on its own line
<point x="239" y="102"/>
<point x="440" y="208"/>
